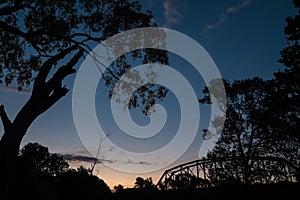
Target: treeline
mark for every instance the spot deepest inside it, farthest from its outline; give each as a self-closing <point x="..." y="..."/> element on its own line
<point x="45" y="175"/>
<point x="241" y="192"/>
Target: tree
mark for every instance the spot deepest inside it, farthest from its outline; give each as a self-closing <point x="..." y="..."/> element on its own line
<point x="48" y="176"/>
<point x="118" y="188"/>
<point x="38" y="172"/>
<point x="39" y="35"/>
<point x="184" y="181"/>
<point x="247" y="132"/>
<point x="80" y="184"/>
<point x="142" y="183"/>
<point x="241" y="135"/>
<point x="286" y="106"/>
<point x="38" y="159"/>
<point x="263" y="116"/>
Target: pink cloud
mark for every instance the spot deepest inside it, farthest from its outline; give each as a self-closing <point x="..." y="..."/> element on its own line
<point x="237" y="8"/>
<point x="224" y="15"/>
<point x="172" y="14"/>
<point x="15" y="89"/>
<point x="221" y="20"/>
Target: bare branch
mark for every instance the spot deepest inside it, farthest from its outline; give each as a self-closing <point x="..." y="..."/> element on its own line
<point x="98" y="151"/>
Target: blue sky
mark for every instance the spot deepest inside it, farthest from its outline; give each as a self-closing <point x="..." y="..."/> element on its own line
<point x="243" y="37"/>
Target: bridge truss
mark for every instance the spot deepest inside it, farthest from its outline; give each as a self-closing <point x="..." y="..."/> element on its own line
<point x="228" y="170"/>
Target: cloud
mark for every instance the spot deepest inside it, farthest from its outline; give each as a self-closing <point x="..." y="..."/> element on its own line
<point x="172" y="12"/>
<point x="220" y="21"/>
<point x="224" y="15"/>
<point x="83" y="158"/>
<point x="237" y="8"/>
<point x="15" y="89"/>
<point x="77" y="160"/>
<point x="137" y="163"/>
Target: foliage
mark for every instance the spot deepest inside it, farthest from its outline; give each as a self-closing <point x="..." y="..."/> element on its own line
<point x="142" y="183"/>
<point x="118" y="188"/>
<point x="286" y="106"/>
<point x="37" y="158"/>
<point x="45" y="175"/>
<point x="184" y="181"/>
<point x="80" y="184"/>
<point x="263" y="116"/>
<point x="41" y="36"/>
<point x="247" y="133"/>
<point x="34" y="31"/>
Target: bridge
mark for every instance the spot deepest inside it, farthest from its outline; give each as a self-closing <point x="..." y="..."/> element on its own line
<point x="214" y="172"/>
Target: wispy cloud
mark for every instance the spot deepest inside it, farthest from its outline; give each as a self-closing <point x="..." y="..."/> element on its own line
<point x="15" y="89"/>
<point x="78" y="160"/>
<point x="137" y="163"/>
<point x="70" y="157"/>
<point x="220" y="21"/>
<point x="224" y="15"/>
<point x="83" y="158"/>
<point x="237" y="8"/>
<point x="172" y="12"/>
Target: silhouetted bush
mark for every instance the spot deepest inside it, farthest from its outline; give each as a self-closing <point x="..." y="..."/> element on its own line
<point x="79" y="184"/>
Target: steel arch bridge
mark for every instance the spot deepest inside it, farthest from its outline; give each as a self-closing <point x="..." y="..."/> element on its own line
<point x="205" y="173"/>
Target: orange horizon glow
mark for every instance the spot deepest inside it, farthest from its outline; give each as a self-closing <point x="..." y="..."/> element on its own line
<point x="114" y="177"/>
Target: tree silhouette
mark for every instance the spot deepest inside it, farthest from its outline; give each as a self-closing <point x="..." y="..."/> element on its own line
<point x="247" y="133"/>
<point x="184" y="181"/>
<point x="263" y="116"/>
<point x="142" y="183"/>
<point x="118" y="188"/>
<point x="80" y="184"/>
<point x="36" y="172"/>
<point x="286" y="106"/>
<point x="283" y="103"/>
<point x="38" y="36"/>
<point x="45" y="175"/>
<point x="39" y="160"/>
<point x="241" y="135"/>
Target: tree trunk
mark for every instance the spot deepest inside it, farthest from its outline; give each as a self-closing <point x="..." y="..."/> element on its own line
<point x="44" y="95"/>
<point x="9" y="148"/>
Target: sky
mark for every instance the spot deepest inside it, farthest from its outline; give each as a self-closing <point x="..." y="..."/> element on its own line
<point x="242" y="37"/>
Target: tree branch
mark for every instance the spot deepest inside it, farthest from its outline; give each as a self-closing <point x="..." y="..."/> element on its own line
<point x="64" y="71"/>
<point x="5" y="120"/>
<point x="7" y="10"/>
<point x="46" y="67"/>
<point x="87" y="36"/>
<point x="53" y="88"/>
<point x="20" y="33"/>
<point x="57" y="94"/>
<point x="44" y="95"/>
